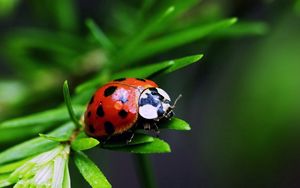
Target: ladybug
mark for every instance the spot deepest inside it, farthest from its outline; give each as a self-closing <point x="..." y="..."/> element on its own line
<point x="123" y="104"/>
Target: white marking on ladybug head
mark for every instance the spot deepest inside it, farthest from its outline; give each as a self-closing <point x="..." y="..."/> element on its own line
<point x="164" y="94"/>
<point x="148" y="111"/>
<point x="154" y="103"/>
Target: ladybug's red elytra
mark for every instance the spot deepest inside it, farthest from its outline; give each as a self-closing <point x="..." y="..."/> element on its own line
<point x="122" y="104"/>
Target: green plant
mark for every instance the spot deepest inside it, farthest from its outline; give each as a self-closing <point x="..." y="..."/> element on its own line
<point x="44" y="160"/>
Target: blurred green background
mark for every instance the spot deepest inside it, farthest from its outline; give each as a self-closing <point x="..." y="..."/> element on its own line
<point x="242" y="99"/>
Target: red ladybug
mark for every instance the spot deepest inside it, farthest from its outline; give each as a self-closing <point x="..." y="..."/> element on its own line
<point x="122" y="104"/>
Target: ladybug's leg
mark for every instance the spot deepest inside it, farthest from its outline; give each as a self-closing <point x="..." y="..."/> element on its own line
<point x="147" y="126"/>
<point x="105" y="140"/>
<point x="156" y="130"/>
<point x="130" y="137"/>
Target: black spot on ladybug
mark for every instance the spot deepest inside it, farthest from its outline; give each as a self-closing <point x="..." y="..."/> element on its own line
<point x="109" y="91"/>
<point x="91" y="128"/>
<point x="89" y="114"/>
<point x="119" y="79"/>
<point x="109" y="127"/>
<point x="92" y="100"/>
<point x="123" y="114"/>
<point x="141" y="79"/>
<point x="100" y="111"/>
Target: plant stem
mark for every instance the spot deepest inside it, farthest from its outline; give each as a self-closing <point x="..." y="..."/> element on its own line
<point x="68" y="103"/>
<point x="145" y="171"/>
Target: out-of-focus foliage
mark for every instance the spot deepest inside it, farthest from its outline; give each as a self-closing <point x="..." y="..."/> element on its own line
<point x="244" y="117"/>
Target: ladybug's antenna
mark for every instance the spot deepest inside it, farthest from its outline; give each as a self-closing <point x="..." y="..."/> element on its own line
<point x="176" y="100"/>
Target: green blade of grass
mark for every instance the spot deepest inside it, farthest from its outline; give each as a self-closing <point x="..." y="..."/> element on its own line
<point x="144" y="71"/>
<point x="162" y="67"/>
<point x="90" y="171"/>
<point x="142" y="35"/>
<point x="99" y="35"/>
<point x="137" y="139"/>
<point x="54" y="115"/>
<point x="156" y="146"/>
<point x="242" y="29"/>
<point x="147" y="71"/>
<point x="175" y="124"/>
<point x="177" y="39"/>
<point x="4" y="180"/>
<point x="67" y="181"/>
<point x="36" y="145"/>
<point x="12" y="166"/>
<point x="68" y="103"/>
<point x="20" y="134"/>
<point x="54" y="138"/>
<point x="84" y="144"/>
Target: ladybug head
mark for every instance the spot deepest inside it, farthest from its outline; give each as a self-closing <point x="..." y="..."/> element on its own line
<point x="155" y="103"/>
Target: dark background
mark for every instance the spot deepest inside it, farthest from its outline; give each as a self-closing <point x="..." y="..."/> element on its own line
<point x="242" y="99"/>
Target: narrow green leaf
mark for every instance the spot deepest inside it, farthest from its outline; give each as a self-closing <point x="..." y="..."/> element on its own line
<point x="84" y="144"/>
<point x="137" y="139"/>
<point x="67" y="181"/>
<point x="53" y="138"/>
<point x="69" y="105"/>
<point x="242" y="29"/>
<point x="175" y="124"/>
<point x="157" y="146"/>
<point x="36" y="145"/>
<point x="98" y="80"/>
<point x="183" y="62"/>
<point x="142" y="35"/>
<point x="4" y="180"/>
<point x="4" y="177"/>
<point x="99" y="35"/>
<point x="64" y="13"/>
<point x="149" y="71"/>
<point x="144" y="71"/>
<point x="179" y="38"/>
<point x="54" y="115"/>
<point x="12" y="166"/>
<point x="90" y="171"/>
<point x="21" y="134"/>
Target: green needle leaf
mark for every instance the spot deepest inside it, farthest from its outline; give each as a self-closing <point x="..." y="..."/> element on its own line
<point x="90" y="171"/>
<point x="144" y="33"/>
<point x="4" y="180"/>
<point x="12" y="166"/>
<point x="99" y="35"/>
<point x="157" y="146"/>
<point x="69" y="104"/>
<point x="84" y="144"/>
<point x="137" y="139"/>
<point x="243" y="28"/>
<point x="53" y="138"/>
<point x="161" y="67"/>
<point x="54" y="115"/>
<point x="67" y="181"/>
<point x="149" y="70"/>
<point x="175" y="124"/>
<point x="180" y="38"/>
<point x="144" y="71"/>
<point x="36" y="145"/>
